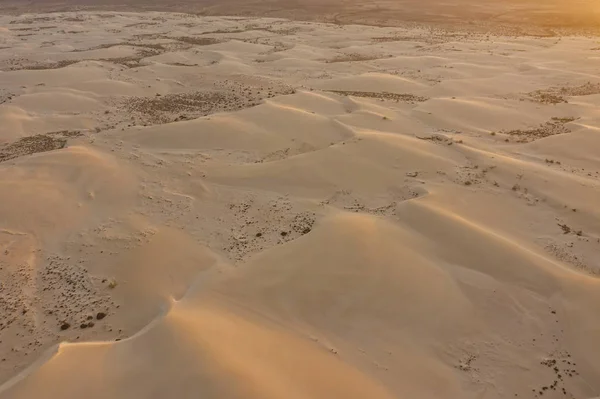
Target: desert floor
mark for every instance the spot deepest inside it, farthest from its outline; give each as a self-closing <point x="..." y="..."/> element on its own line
<point x="239" y="207"/>
<point x="521" y="17"/>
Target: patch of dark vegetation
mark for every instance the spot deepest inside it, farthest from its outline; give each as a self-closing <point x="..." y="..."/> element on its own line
<point x="561" y="364"/>
<point x="553" y="127"/>
<point x="223" y="31"/>
<point x="552" y="161"/>
<point x="132" y="61"/>
<point x="179" y="102"/>
<point x="388" y="39"/>
<point x="197" y="41"/>
<point x="38" y="66"/>
<point x="141" y="24"/>
<point x="407" y="98"/>
<point x="29" y="21"/>
<point x="143" y="50"/>
<point x="436" y="138"/>
<point x="74" y="19"/>
<point x="37" y="143"/>
<point x="163" y="109"/>
<point x="563" y="119"/>
<point x="284" y="31"/>
<point x="354" y="57"/>
<point x="566" y="229"/>
<point x="150" y="46"/>
<point x="546" y="97"/>
<point x="430" y="38"/>
<point x="181" y="64"/>
<point x="280" y="31"/>
<point x="144" y="36"/>
<point x="303" y="223"/>
<point x="184" y="106"/>
<point x="556" y="95"/>
<point x="5" y="96"/>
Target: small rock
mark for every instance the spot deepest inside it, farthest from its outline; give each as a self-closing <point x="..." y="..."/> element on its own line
<point x="412" y="174"/>
<point x="100" y="315"/>
<point x="64" y="326"/>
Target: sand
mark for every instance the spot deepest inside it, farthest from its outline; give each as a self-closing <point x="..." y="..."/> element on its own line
<point x="225" y="207"/>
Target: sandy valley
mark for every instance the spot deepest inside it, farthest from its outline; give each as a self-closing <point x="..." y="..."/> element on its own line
<point x="243" y="207"/>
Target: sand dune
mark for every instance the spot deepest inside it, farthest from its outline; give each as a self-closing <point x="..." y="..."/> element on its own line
<point x="230" y="207"/>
